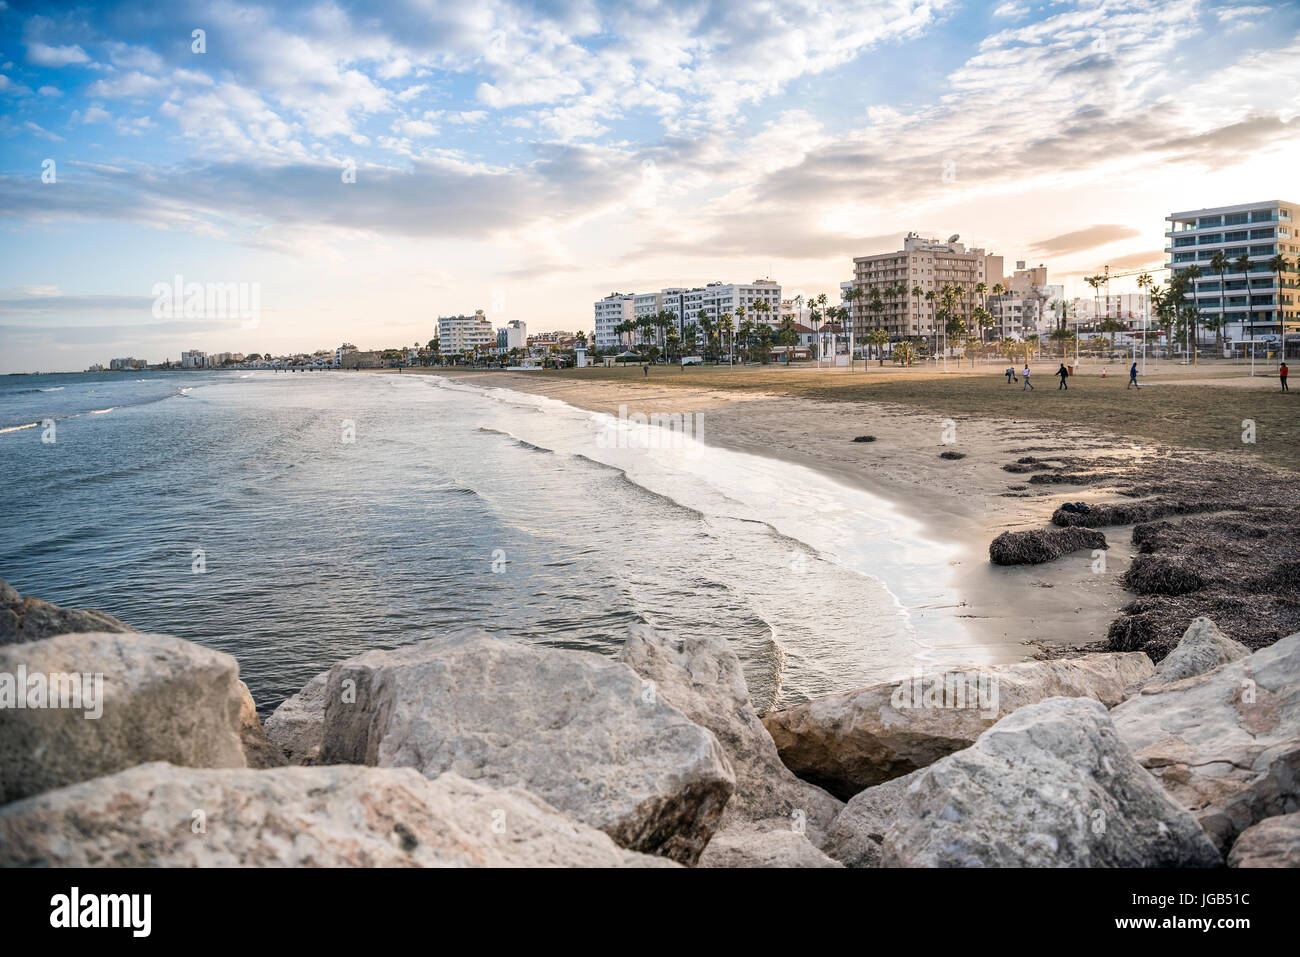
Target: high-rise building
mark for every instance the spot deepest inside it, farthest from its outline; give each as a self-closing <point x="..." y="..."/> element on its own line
<point x="611" y="312"/>
<point x="928" y="264"/>
<point x="684" y="305"/>
<point x="464" y="334"/>
<point x="1253" y="303"/>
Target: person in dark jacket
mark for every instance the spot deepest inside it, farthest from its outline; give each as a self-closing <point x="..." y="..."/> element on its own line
<point x="1064" y="373"/>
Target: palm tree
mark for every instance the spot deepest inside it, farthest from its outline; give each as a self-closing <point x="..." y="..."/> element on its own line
<point x="1280" y="264"/>
<point x="1193" y="273"/>
<point x="691" y="335"/>
<point x="931" y="297"/>
<point x="879" y="338"/>
<point x="1242" y="265"/>
<point x="851" y="297"/>
<point x="1096" y="283"/>
<point x="905" y="352"/>
<point x="726" y="330"/>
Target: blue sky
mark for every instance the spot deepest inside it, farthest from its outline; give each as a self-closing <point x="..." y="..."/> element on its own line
<point x="527" y="158"/>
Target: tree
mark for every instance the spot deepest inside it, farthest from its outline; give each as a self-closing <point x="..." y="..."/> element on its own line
<point x="1242" y="265"/>
<point x="905" y="352"/>
<point x="1280" y="264"/>
<point x="1096" y="282"/>
<point x="1193" y="273"/>
<point x="879" y="338"/>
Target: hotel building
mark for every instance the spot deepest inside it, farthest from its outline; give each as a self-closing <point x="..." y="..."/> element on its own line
<point x="461" y="334"/>
<point x="1255" y="303"/>
<point x="929" y="264"/>
<point x="612" y="311"/>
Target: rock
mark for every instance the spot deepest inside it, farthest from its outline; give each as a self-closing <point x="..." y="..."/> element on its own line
<point x="1273" y="842"/>
<point x="753" y="845"/>
<point x="258" y="751"/>
<point x="703" y="679"/>
<point x="575" y="728"/>
<point x="159" y="815"/>
<point x="852" y="741"/>
<point x="159" y="698"/>
<point x="857" y="834"/>
<point x="1050" y="785"/>
<point x="1225" y="744"/>
<point x="30" y="619"/>
<point x="296" y="727"/>
<point x="1202" y="648"/>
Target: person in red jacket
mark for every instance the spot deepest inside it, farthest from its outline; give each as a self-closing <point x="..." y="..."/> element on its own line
<point x="1282" y="374"/>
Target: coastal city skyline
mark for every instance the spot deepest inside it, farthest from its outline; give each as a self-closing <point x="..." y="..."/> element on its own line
<point x="367" y="178"/>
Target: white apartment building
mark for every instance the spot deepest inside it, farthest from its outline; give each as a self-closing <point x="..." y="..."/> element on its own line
<point x="464" y="334"/>
<point x="1124" y="306"/>
<point x="925" y="263"/>
<point x="126" y="364"/>
<point x="1255" y="304"/>
<point x="194" y="359"/>
<point x="341" y="351"/>
<point x="516" y="331"/>
<point x="612" y="311"/>
<point x="685" y="304"/>
<point x="717" y="299"/>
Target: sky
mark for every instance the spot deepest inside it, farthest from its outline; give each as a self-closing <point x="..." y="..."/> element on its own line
<point x="364" y="168"/>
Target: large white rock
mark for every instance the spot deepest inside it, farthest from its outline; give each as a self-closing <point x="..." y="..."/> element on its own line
<point x="757" y="845"/>
<point x="1050" y="785"/>
<point x="1202" y="648"/>
<point x="163" y="699"/>
<point x="1225" y="744"/>
<point x="852" y="741"/>
<point x="159" y="815"/>
<point x="297" y="725"/>
<point x="1273" y="842"/>
<point x="703" y="679"/>
<point x="856" y="836"/>
<point x="577" y="729"/>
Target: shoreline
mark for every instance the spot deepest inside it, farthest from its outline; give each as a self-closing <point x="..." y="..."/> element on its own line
<point x="1012" y="614"/>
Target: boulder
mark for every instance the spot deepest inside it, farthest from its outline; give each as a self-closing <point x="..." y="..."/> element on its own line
<point x="1273" y="842"/>
<point x="849" y="742"/>
<point x="582" y="732"/>
<point x="30" y="619"/>
<point x="756" y="845"/>
<point x="1050" y="785"/>
<point x="137" y="698"/>
<point x="159" y="815"/>
<point x="703" y="679"/>
<point x="1202" y="648"/>
<point x="296" y="727"/>
<point x="258" y="751"/>
<point x="857" y="834"/>
<point x="1225" y="744"/>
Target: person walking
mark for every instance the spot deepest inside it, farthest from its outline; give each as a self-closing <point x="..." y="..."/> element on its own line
<point x="1064" y="373"/>
<point x="1132" y="378"/>
<point x="1028" y="385"/>
<point x="1282" y="373"/>
<point x="645" y="371"/>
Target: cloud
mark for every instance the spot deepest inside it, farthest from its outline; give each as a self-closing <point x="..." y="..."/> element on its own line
<point x="41" y="54"/>
<point x="1083" y="239"/>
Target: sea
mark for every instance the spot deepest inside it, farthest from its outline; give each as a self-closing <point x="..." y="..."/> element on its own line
<point x="298" y="519"/>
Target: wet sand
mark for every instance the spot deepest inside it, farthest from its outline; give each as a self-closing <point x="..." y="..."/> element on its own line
<point x="1013" y="612"/>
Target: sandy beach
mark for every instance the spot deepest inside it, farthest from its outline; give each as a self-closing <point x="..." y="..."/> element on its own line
<point x="1017" y="611"/>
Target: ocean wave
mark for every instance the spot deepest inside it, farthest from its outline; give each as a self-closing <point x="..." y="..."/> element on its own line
<point x="19" y="428"/>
